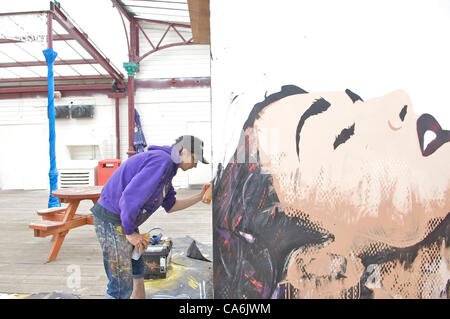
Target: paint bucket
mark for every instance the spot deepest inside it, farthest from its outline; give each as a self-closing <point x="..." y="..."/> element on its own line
<point x="208" y="195"/>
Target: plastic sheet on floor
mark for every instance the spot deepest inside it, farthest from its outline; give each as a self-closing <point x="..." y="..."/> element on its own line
<point x="187" y="278"/>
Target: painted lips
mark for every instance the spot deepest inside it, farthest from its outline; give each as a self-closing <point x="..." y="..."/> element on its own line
<point x="425" y="123"/>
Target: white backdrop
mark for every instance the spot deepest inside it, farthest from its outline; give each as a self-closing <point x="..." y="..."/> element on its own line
<point x="371" y="47"/>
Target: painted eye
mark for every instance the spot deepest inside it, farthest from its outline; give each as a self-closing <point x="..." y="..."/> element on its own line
<point x="353" y="96"/>
<point x="344" y="136"/>
<point x="403" y="113"/>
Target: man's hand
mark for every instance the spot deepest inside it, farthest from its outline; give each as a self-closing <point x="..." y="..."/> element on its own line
<point x="188" y="202"/>
<point x="204" y="189"/>
<point x="140" y="242"/>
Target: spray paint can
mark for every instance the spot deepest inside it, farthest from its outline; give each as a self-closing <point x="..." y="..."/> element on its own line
<point x="154" y="239"/>
<point x="135" y="255"/>
<point x="208" y="195"/>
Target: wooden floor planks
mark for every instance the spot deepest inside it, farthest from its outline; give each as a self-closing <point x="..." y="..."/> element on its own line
<point x="22" y="256"/>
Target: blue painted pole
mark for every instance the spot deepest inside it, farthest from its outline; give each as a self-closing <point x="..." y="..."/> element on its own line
<point x="50" y="57"/>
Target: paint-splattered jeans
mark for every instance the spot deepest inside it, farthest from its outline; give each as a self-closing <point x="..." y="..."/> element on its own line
<point x="120" y="268"/>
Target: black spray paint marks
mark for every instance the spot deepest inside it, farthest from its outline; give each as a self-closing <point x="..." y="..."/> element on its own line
<point x="407" y="255"/>
<point x="253" y="237"/>
<point x="355" y="97"/>
<point x="286" y="90"/>
<point x="403" y="113"/>
<point x="345" y="134"/>
<point x="319" y="106"/>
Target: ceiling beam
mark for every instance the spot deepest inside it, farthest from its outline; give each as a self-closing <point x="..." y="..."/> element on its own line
<point x="43" y="63"/>
<point x="58" y="78"/>
<point x="173" y="83"/>
<point x="189" y="42"/>
<point x="44" y="88"/>
<point x="120" y="7"/>
<point x="22" y="13"/>
<point x="199" y="17"/>
<point x="56" y="37"/>
<point x="181" y="25"/>
<point x="29" y="95"/>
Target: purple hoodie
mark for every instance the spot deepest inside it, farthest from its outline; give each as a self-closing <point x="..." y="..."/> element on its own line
<point x="141" y="185"/>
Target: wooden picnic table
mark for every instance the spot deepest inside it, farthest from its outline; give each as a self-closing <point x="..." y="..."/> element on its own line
<point x="57" y="221"/>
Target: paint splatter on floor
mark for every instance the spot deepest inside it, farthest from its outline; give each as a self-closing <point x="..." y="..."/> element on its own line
<point x="187" y="278"/>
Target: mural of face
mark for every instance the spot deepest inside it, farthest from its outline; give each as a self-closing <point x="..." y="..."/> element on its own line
<point x="328" y="195"/>
<point x="359" y="169"/>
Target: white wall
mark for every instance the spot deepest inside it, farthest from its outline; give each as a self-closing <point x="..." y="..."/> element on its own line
<point x="24" y="159"/>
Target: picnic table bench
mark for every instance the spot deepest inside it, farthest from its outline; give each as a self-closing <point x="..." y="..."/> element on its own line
<point x="57" y="221"/>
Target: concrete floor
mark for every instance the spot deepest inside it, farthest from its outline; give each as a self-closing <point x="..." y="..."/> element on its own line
<point x="78" y="269"/>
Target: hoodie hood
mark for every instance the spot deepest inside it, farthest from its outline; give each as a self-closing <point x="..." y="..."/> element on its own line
<point x="134" y="202"/>
<point x="170" y="150"/>
<point x="167" y="149"/>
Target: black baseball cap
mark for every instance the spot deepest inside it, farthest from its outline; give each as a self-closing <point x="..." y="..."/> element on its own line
<point x="192" y="144"/>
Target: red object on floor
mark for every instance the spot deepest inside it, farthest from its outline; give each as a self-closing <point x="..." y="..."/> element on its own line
<point x="105" y="169"/>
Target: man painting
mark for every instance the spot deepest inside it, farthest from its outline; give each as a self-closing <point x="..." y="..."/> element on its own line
<point x="131" y="195"/>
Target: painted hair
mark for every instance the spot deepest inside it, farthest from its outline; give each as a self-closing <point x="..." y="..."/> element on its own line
<point x="252" y="235"/>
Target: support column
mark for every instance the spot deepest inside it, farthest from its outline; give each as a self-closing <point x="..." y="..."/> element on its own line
<point x="132" y="68"/>
<point x="117" y="96"/>
<point x="117" y="128"/>
<point x="50" y="57"/>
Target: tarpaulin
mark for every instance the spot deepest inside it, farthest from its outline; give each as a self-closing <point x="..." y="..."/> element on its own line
<point x="139" y="142"/>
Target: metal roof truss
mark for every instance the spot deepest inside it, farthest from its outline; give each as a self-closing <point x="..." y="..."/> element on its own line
<point x="80" y="65"/>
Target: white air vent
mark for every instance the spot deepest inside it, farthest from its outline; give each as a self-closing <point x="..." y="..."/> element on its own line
<point x="76" y="178"/>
